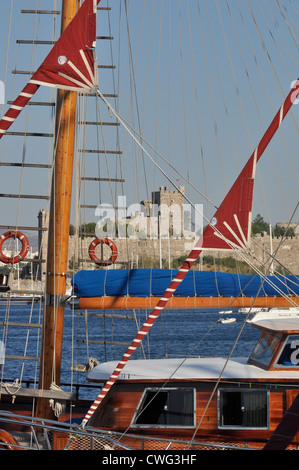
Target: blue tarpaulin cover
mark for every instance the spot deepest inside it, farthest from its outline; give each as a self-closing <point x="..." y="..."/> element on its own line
<point x="154" y="282"/>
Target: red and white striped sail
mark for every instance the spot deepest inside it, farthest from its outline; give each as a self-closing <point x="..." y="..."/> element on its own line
<point x="232" y="204"/>
<point x="70" y="65"/>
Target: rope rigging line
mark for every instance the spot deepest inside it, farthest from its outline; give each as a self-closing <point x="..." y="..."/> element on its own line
<point x="211" y="94"/>
<point x="132" y="70"/>
<point x="7" y="48"/>
<point x="197" y="103"/>
<point x="169" y="85"/>
<point x="253" y="96"/>
<point x="105" y="153"/>
<point x="122" y="121"/>
<point x="233" y="71"/>
<point x="268" y="56"/>
<point x="273" y="39"/>
<point x="143" y="139"/>
<point x="116" y="92"/>
<point x="281" y="34"/>
<point x="221" y="85"/>
<point x="183" y="93"/>
<point x="266" y="90"/>
<point x="158" y="88"/>
<point x="287" y="23"/>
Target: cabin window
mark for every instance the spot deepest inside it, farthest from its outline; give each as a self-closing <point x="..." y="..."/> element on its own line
<point x="247" y="409"/>
<point x="265" y="347"/>
<point x="289" y="356"/>
<point x="166" y="408"/>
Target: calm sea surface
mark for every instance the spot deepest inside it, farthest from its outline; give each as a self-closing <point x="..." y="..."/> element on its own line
<point x="177" y="333"/>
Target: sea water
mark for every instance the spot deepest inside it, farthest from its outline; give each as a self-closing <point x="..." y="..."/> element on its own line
<point x="176" y="333"/>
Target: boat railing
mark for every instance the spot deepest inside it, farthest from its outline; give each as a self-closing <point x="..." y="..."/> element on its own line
<point x="30" y="433"/>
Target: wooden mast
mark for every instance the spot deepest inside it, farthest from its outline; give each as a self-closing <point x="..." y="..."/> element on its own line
<point x="58" y="236"/>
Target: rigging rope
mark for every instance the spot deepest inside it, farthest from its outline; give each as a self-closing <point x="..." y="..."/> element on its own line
<point x="197" y="104"/>
<point x="7" y="48"/>
<point x="209" y="82"/>
<point x="268" y="56"/>
<point x="183" y="93"/>
<point x="270" y="103"/>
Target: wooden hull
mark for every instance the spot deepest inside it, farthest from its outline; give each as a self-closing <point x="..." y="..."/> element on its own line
<point x="117" y="411"/>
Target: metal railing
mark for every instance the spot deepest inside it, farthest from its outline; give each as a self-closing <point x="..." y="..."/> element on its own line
<point x="30" y="433"/>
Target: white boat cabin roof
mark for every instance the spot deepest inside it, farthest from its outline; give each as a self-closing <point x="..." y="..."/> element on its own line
<point x="278" y="325"/>
<point x="193" y="369"/>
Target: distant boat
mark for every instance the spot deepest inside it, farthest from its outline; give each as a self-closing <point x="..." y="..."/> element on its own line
<point x="246" y="310"/>
<point x="227" y="320"/>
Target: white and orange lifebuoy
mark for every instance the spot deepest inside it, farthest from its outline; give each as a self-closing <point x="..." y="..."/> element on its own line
<point x="24" y="250"/>
<point x="112" y="246"/>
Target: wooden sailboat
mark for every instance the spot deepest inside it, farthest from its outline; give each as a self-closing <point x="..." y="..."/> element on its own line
<point x="232" y="228"/>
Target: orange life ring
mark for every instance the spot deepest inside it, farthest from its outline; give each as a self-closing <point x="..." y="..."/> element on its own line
<point x="106" y="241"/>
<point x="24" y="250"/>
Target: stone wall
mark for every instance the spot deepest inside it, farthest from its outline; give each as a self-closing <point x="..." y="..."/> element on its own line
<point x="137" y="253"/>
<point x="287" y="254"/>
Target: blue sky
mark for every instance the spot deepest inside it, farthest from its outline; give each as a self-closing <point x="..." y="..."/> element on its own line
<point x="239" y="58"/>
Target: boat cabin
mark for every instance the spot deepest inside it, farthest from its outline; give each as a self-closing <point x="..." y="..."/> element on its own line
<point x="278" y="344"/>
<point x="237" y="399"/>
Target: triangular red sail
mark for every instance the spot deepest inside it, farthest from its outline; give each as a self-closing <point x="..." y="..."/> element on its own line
<point x="70" y="65"/>
<point x="231" y="224"/>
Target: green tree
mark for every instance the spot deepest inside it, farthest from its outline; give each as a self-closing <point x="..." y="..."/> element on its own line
<point x="87" y="229"/>
<point x="72" y="230"/>
<point x="259" y="225"/>
<point x="280" y="231"/>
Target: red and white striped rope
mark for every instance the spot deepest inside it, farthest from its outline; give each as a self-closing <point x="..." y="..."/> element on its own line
<point x="13" y="112"/>
<point x="187" y="265"/>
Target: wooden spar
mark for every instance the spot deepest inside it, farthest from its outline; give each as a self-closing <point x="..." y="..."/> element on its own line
<point x="178" y="302"/>
<point x="50" y="360"/>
